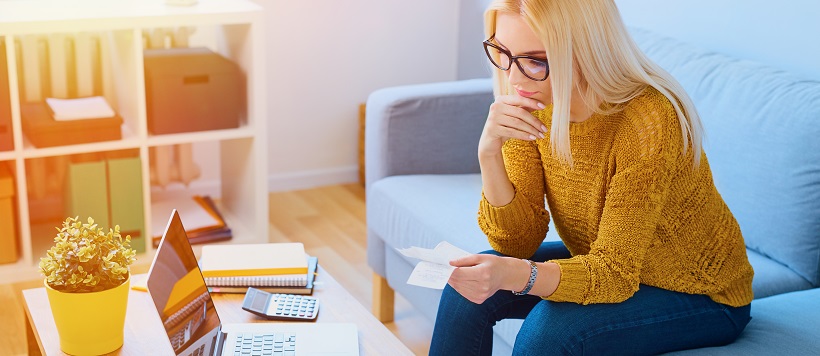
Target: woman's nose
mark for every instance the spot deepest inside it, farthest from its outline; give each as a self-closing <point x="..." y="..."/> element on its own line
<point x="515" y="76"/>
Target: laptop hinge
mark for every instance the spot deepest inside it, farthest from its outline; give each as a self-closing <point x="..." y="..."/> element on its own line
<point x="219" y="343"/>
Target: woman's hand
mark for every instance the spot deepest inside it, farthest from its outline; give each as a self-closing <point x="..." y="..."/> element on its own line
<point x="510" y="117"/>
<point x="478" y="277"/>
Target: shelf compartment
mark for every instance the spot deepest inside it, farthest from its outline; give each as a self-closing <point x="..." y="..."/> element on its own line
<point x="78" y="65"/>
<point x="6" y="131"/>
<point x="9" y="232"/>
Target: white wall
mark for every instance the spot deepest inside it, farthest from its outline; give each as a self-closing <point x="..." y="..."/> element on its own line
<point x="471" y="62"/>
<point x="782" y="34"/>
<point x="325" y="57"/>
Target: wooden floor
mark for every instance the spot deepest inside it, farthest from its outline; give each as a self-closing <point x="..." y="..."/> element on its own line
<point x="330" y="221"/>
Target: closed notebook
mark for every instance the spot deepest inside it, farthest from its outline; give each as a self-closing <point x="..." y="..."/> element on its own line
<point x="245" y="260"/>
<point x="305" y="289"/>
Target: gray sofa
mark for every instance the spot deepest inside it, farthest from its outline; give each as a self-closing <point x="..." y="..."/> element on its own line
<point x="763" y="143"/>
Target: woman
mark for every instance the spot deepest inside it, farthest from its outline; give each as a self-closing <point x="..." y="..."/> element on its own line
<point x="651" y="258"/>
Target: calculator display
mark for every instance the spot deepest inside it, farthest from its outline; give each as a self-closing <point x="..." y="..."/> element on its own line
<point x="259" y="301"/>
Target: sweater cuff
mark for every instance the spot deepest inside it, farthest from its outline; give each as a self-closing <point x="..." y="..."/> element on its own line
<point x="573" y="284"/>
<point x="512" y="216"/>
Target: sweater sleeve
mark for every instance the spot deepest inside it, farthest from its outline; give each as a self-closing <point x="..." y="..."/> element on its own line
<point x="518" y="228"/>
<point x="647" y="155"/>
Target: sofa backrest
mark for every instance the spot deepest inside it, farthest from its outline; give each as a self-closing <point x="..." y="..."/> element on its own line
<point x="763" y="144"/>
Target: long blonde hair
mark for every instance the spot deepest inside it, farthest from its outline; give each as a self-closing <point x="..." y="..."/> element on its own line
<point x="589" y="48"/>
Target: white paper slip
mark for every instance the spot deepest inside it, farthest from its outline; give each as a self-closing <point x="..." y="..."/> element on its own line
<point x="94" y="107"/>
<point x="434" y="270"/>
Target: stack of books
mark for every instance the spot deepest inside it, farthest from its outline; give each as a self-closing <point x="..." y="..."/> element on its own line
<point x="272" y="267"/>
<point x="203" y="220"/>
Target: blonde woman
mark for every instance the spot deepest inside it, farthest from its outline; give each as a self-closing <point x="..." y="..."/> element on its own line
<point x="651" y="259"/>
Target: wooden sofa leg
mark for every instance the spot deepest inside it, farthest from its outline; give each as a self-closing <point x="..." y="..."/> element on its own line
<point x="383" y="299"/>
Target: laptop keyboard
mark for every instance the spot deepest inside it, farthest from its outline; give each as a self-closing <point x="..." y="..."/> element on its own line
<point x="278" y="344"/>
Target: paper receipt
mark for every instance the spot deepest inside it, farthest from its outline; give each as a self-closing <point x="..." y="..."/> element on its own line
<point x="434" y="269"/>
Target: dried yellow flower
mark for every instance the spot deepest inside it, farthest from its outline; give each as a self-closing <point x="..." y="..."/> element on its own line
<point x="85" y="258"/>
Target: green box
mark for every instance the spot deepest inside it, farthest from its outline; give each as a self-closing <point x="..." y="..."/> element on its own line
<point x="111" y="193"/>
<point x="125" y="196"/>
<point x="87" y="192"/>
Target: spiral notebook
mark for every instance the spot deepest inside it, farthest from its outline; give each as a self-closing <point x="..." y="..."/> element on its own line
<point x="274" y="280"/>
<point x="278" y="284"/>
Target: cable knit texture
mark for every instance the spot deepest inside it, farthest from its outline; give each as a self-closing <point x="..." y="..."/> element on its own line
<point x="632" y="210"/>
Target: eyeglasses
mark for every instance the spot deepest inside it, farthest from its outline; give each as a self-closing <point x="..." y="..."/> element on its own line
<point x="534" y="68"/>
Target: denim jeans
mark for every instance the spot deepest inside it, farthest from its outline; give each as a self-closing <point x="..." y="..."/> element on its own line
<point x="652" y="321"/>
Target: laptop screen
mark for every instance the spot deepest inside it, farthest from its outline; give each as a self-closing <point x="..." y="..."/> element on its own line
<point x="182" y="300"/>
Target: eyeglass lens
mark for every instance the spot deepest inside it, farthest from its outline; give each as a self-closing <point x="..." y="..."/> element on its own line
<point x="534" y="69"/>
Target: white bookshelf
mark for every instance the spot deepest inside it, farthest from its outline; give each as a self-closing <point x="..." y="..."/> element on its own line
<point x="237" y="29"/>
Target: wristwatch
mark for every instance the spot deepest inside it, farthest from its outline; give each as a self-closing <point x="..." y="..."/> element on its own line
<point x="531" y="282"/>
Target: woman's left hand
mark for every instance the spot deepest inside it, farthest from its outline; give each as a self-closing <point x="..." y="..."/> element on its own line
<point x="478" y="277"/>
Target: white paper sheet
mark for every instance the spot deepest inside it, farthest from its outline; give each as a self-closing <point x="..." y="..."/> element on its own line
<point x="82" y="108"/>
<point x="434" y="269"/>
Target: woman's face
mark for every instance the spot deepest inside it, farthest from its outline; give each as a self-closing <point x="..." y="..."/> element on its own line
<point x="513" y="34"/>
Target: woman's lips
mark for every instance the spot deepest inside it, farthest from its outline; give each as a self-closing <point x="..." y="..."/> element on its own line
<point x="526" y="94"/>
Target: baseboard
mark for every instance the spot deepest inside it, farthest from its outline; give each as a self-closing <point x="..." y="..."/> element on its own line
<point x="311" y="179"/>
<point x="276" y="183"/>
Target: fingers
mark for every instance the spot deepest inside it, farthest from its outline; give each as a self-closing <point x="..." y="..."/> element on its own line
<point x="527" y="103"/>
<point x="466" y="261"/>
<point x="510" y="117"/>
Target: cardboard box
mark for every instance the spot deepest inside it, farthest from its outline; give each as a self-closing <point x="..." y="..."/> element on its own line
<point x="192" y="89"/>
<point x="8" y="216"/>
<point x="6" y="135"/>
<point x="43" y="131"/>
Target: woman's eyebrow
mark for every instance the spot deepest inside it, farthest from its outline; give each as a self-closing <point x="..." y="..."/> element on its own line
<point x="530" y="53"/>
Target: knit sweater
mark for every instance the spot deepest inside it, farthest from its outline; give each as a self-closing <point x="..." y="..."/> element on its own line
<point x="633" y="209"/>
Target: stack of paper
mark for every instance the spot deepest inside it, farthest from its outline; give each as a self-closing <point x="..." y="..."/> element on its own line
<point x="203" y="221"/>
<point x="94" y="107"/>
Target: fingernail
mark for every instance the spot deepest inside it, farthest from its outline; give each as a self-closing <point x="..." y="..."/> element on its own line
<point x="540" y="105"/>
<point x="532" y="137"/>
<point x="543" y="128"/>
<point x="541" y="134"/>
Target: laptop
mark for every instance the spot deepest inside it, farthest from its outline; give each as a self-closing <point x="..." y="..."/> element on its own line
<point x="194" y="328"/>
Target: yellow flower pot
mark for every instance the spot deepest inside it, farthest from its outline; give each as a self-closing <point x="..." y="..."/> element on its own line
<point x="90" y="323"/>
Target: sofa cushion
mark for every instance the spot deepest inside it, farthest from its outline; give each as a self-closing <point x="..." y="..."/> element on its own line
<point x="762" y="127"/>
<point x="784" y="324"/>
<point x="423" y="210"/>
<point x="773" y="278"/>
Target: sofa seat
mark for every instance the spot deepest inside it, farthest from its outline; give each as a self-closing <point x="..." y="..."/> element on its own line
<point x="418" y="210"/>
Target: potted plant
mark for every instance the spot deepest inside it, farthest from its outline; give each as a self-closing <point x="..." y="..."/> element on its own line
<point x="86" y="279"/>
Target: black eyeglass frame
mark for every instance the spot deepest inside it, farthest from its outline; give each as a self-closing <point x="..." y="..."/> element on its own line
<point x="488" y="43"/>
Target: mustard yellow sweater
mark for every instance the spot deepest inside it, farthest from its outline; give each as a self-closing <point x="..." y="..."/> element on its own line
<point x="633" y="210"/>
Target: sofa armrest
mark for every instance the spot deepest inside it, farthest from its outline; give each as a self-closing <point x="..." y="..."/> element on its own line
<point x="425" y="129"/>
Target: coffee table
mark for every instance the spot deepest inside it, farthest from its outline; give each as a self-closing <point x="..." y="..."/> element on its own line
<point x="144" y="334"/>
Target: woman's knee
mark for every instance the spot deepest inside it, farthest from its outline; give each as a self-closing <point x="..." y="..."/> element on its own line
<point x="549" y="329"/>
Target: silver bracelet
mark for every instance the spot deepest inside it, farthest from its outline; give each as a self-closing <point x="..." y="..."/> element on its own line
<point x="531" y="282"/>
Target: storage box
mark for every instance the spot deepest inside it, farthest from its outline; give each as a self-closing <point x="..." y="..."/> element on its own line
<point x="111" y="193"/>
<point x="43" y="131"/>
<point x="6" y="136"/>
<point x="192" y="89"/>
<point x="8" y="216"/>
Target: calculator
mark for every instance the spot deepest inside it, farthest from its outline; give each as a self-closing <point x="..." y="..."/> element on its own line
<point x="278" y="306"/>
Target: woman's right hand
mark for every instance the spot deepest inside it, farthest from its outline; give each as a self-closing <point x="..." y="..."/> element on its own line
<point x="510" y="117"/>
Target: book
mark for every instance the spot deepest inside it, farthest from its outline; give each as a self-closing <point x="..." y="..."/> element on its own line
<point x="243" y="260"/>
<point x="307" y="289"/>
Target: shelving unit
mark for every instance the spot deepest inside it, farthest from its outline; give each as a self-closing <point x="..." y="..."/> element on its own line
<point x="238" y="30"/>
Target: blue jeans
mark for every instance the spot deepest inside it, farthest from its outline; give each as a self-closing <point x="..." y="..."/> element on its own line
<point x="652" y="321"/>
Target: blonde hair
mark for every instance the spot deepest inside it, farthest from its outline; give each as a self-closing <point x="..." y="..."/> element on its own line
<point x="589" y="48"/>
